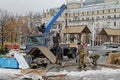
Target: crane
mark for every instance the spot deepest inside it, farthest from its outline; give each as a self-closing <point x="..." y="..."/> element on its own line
<point x="44" y="38"/>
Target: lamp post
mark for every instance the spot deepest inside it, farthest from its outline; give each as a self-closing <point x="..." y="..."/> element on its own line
<point x="66" y="26"/>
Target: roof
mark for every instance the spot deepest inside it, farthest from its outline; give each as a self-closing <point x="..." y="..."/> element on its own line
<point x="76" y="29"/>
<point x="110" y="32"/>
<point x="94" y="8"/>
<point x="90" y="2"/>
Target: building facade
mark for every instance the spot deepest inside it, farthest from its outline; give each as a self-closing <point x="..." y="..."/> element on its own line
<point x="96" y="14"/>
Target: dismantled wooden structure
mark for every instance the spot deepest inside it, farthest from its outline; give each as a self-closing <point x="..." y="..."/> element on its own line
<point x="42" y="52"/>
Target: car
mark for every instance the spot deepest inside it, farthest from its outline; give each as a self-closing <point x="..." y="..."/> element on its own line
<point x="110" y="45"/>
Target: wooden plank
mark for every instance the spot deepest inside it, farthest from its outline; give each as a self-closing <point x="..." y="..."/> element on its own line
<point x="47" y="53"/>
<point x="34" y="71"/>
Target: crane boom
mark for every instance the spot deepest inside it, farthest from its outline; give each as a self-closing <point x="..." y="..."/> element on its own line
<point x="55" y="17"/>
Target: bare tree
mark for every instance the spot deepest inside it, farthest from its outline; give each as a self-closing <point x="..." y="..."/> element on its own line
<point x="22" y="29"/>
<point x="35" y="20"/>
<point x="5" y="19"/>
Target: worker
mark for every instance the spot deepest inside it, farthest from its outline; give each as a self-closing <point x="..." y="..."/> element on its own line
<point x="81" y="53"/>
<point x="88" y="53"/>
<point x="94" y="57"/>
<point x="59" y="55"/>
<point x="76" y="54"/>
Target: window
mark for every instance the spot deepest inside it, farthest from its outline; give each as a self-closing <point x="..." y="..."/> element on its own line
<point x="92" y="12"/>
<point x="108" y="17"/>
<point x="78" y="14"/>
<point x="92" y="18"/>
<point x="102" y="16"/>
<point x="114" y="23"/>
<point x="97" y="12"/>
<point x="82" y="19"/>
<point x="114" y="10"/>
<point x="69" y="15"/>
<point x="114" y="16"/>
<point x="108" y="10"/>
<point x="82" y="13"/>
<point x="73" y="14"/>
<point x="87" y="18"/>
<point x="87" y="13"/>
<point x="97" y="18"/>
<point x="103" y="11"/>
<point x="35" y="40"/>
<point x="69" y="20"/>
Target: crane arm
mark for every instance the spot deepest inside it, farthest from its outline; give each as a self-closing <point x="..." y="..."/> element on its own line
<point x="55" y="17"/>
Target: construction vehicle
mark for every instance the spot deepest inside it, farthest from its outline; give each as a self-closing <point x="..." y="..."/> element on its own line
<point x="42" y="39"/>
<point x="37" y="43"/>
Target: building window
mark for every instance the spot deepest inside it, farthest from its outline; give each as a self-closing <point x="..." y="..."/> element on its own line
<point x="114" y="16"/>
<point x="82" y="19"/>
<point x="114" y="23"/>
<point x="73" y="14"/>
<point x="97" y="12"/>
<point x="114" y="10"/>
<point x="102" y="16"/>
<point x="87" y="13"/>
<point x="97" y="18"/>
<point x="92" y="12"/>
<point x="108" y="10"/>
<point x="82" y="13"/>
<point x="69" y="20"/>
<point x="92" y="18"/>
<point x="103" y="11"/>
<point x="108" y="17"/>
<point x="69" y="15"/>
<point x="75" y="18"/>
<point x="87" y="18"/>
<point x="78" y="14"/>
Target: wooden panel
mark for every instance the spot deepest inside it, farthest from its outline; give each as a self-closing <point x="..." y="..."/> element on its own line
<point x="47" y="53"/>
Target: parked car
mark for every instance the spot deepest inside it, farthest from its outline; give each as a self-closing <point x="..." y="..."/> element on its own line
<point x="110" y="45"/>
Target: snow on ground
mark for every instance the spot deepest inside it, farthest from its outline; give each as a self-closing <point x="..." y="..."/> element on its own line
<point x="9" y="71"/>
<point x="103" y="74"/>
<point x="105" y="71"/>
<point x="11" y="74"/>
<point x="72" y="75"/>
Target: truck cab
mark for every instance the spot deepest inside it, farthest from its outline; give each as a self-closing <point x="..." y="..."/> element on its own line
<point x="38" y="40"/>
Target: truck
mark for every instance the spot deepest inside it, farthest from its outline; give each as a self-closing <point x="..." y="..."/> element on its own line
<point x="44" y="38"/>
<point x="42" y="44"/>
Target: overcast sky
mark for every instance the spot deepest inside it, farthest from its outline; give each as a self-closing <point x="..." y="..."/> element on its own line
<point x="24" y="6"/>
